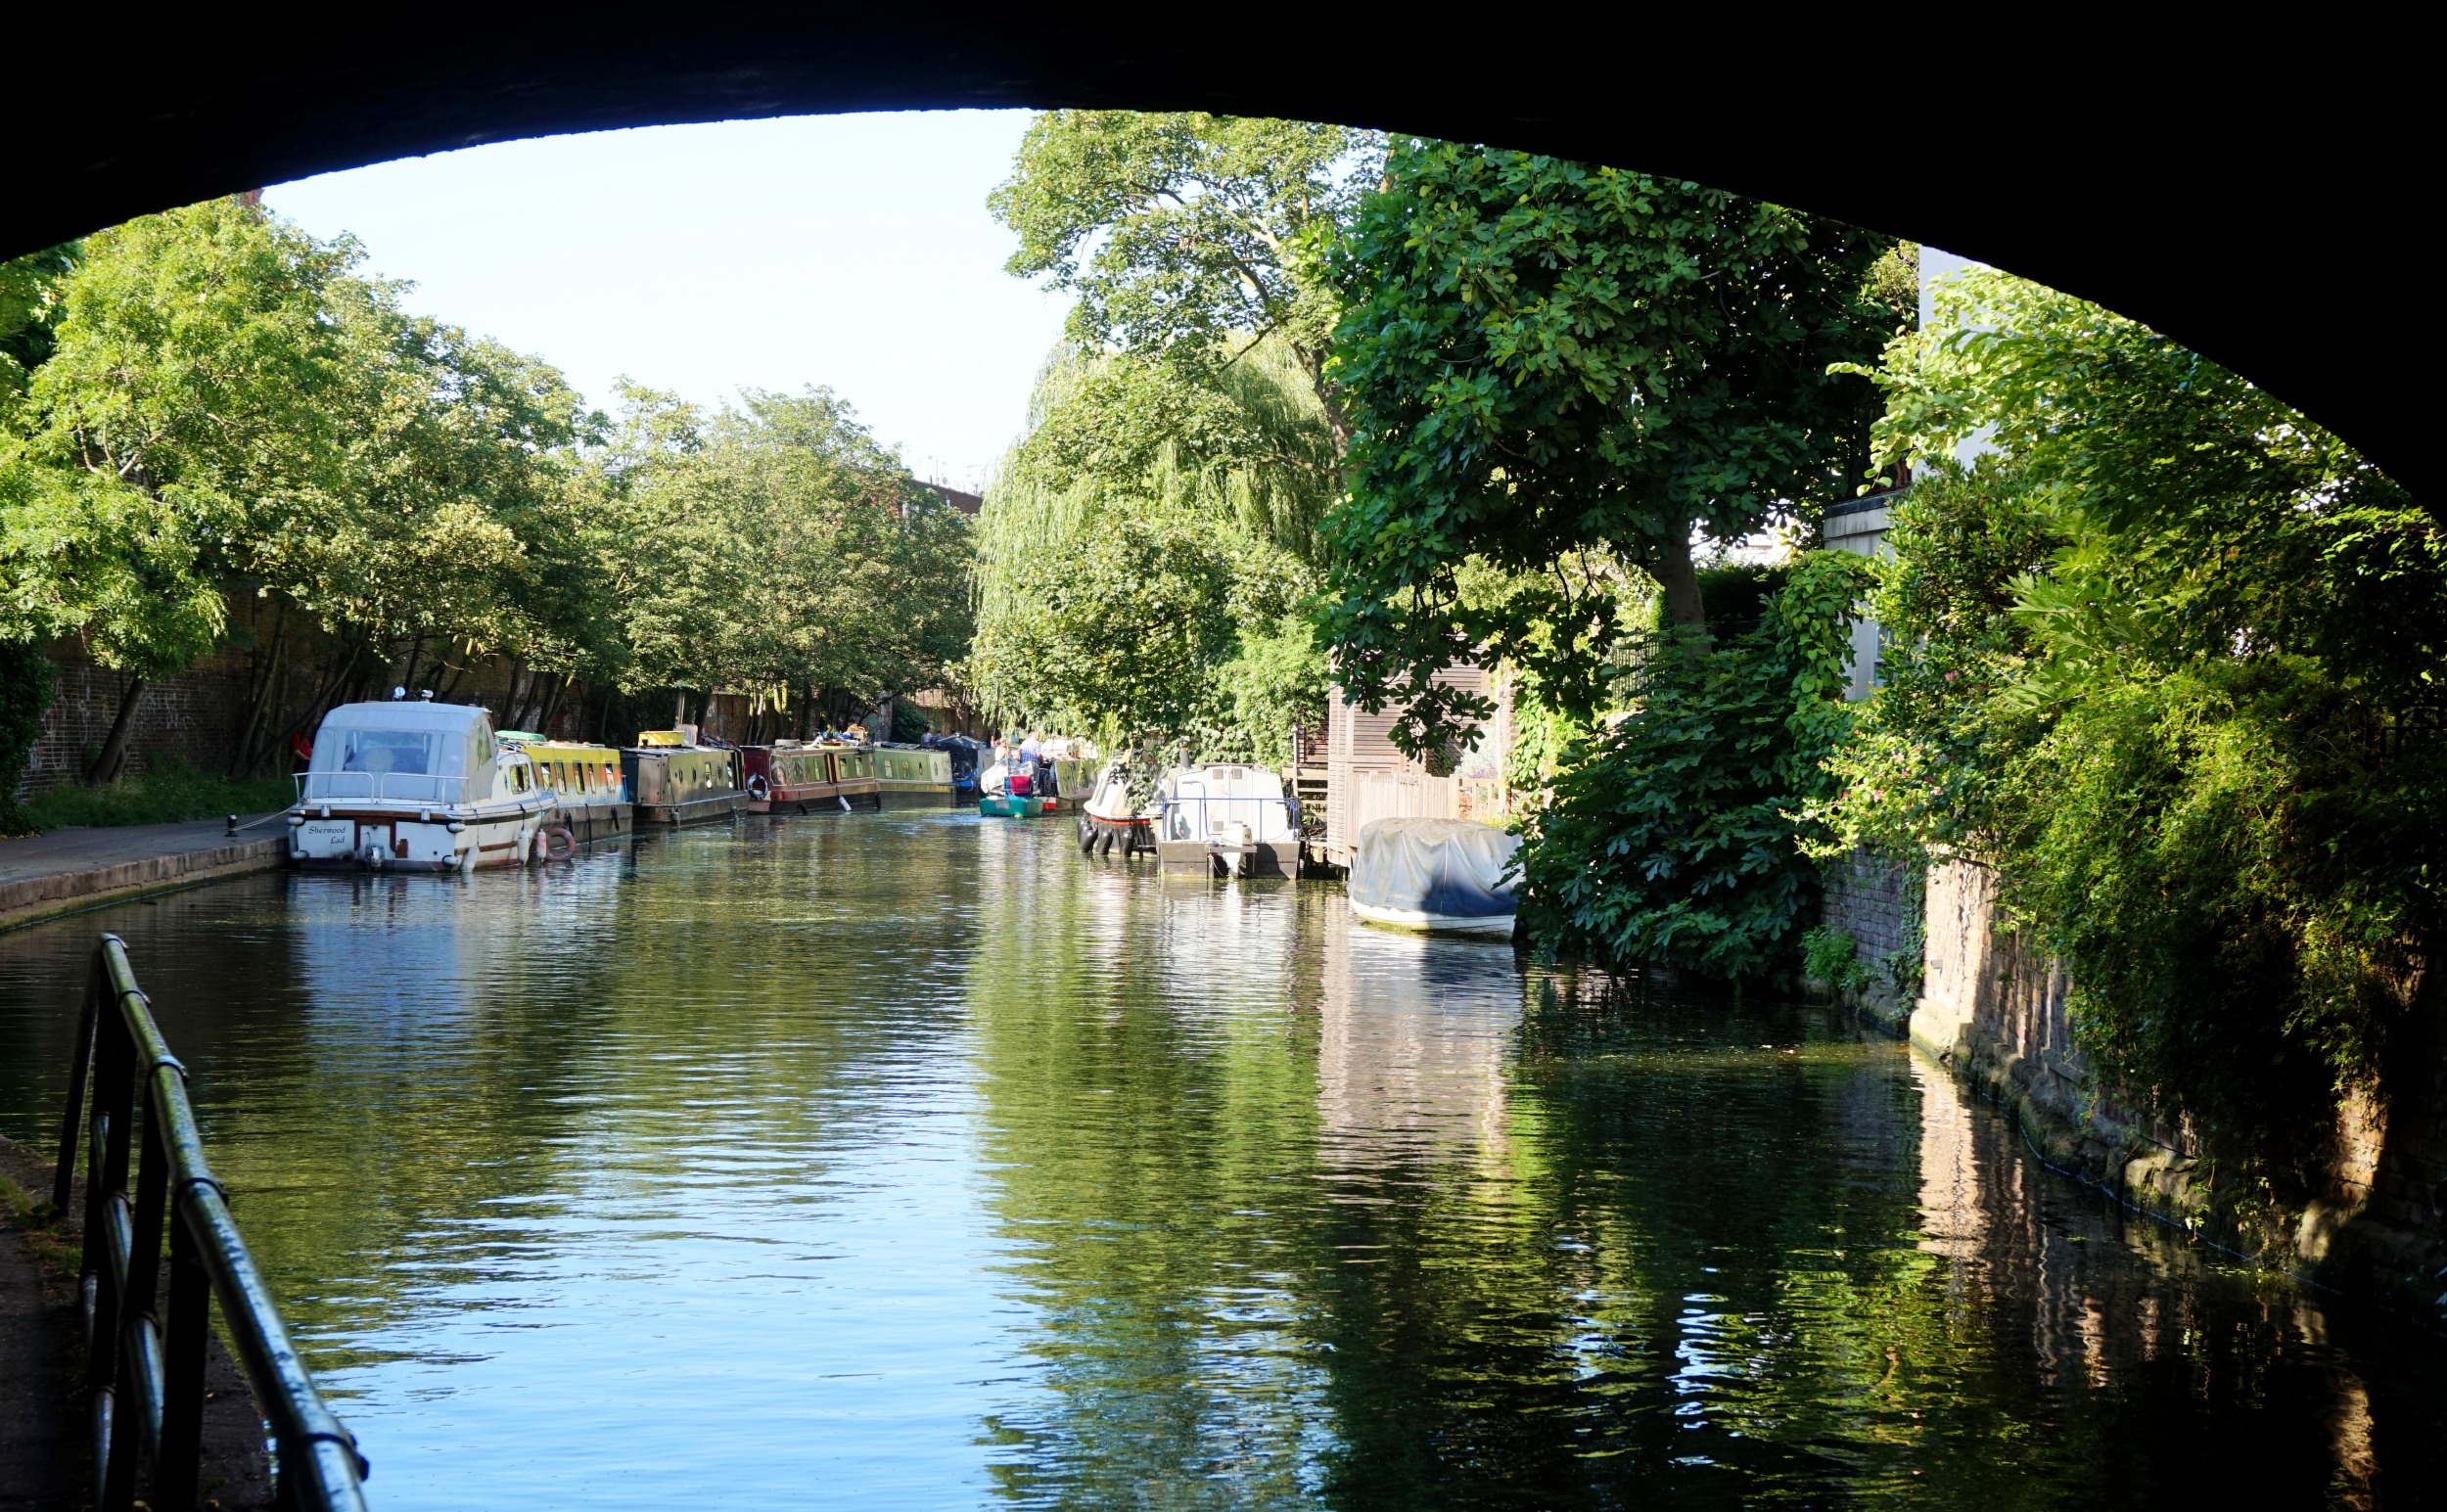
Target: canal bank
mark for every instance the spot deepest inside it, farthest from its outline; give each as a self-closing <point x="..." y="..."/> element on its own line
<point x="45" y="1445"/>
<point x="69" y="870"/>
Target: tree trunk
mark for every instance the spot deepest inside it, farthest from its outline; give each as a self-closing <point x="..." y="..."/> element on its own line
<point x="1681" y="581"/>
<point x="242" y="751"/>
<point x="106" y="767"/>
<point x="407" y="671"/>
<point x="510" y="699"/>
<point x="553" y="706"/>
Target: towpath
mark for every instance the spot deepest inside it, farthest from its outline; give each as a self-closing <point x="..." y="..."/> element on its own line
<point x="71" y="869"/>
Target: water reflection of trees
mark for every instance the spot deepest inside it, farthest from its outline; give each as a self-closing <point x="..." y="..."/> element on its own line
<point x="1335" y="1220"/>
<point x="1146" y="1113"/>
<point x="1293" y="1211"/>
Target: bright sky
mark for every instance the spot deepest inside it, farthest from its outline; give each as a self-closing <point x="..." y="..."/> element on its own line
<point x="850" y="251"/>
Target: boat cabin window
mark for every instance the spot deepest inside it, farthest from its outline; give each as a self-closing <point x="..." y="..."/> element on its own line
<point x="387" y="751"/>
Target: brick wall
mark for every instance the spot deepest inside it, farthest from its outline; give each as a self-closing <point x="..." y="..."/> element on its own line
<point x="196" y="716"/>
<point x="1878" y="903"/>
<point x="201" y="715"/>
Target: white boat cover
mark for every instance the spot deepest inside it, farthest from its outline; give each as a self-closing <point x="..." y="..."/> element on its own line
<point x="1426" y="871"/>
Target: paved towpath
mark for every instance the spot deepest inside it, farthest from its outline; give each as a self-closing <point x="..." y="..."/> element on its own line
<point x="79" y="868"/>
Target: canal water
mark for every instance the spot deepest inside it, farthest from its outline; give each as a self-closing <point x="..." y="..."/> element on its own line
<point x="913" y="1161"/>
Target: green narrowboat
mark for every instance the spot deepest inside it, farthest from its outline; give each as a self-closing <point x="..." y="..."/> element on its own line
<point x="913" y="776"/>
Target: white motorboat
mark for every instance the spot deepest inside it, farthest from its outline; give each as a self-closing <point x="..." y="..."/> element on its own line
<point x="1227" y="818"/>
<point x="1445" y="875"/>
<point x="419" y="786"/>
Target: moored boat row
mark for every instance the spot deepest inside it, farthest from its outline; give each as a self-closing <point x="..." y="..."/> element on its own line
<point x="1434" y="876"/>
<point x="433" y="787"/>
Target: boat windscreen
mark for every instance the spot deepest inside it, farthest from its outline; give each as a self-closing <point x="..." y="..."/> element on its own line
<point x="410" y="752"/>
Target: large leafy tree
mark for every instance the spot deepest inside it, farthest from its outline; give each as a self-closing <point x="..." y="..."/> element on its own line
<point x="456" y="518"/>
<point x="777" y="548"/>
<point x="1550" y="368"/>
<point x="185" y="403"/>
<point x="1189" y="238"/>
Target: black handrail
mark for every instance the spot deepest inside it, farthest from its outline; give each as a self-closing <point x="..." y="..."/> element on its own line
<point x="143" y="1355"/>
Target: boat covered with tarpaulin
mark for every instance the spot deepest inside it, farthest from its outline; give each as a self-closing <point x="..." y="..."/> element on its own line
<point x="1435" y="874"/>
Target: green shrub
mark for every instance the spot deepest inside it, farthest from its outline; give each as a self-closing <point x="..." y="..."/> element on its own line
<point x="2236" y="864"/>
<point x="1833" y="956"/>
<point x="1674" y="835"/>
<point x="170" y="792"/>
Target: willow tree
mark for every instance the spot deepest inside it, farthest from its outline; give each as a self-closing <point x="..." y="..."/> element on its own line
<point x="1145" y="551"/>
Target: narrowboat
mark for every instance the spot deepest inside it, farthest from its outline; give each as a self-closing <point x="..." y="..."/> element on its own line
<point x="1227" y="818"/>
<point x="1108" y="823"/>
<point x="415" y="786"/>
<point x="853" y="772"/>
<point x="913" y="776"/>
<point x="1443" y="876"/>
<point x="794" y="777"/>
<point x="591" y="799"/>
<point x="675" y="781"/>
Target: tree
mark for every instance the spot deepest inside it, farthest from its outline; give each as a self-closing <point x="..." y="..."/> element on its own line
<point x="1123" y="634"/>
<point x="28" y="315"/>
<point x="452" y="517"/>
<point x="1189" y="238"/>
<point x="775" y="547"/>
<point x="1073" y="561"/>
<point x="183" y="401"/>
<point x="1675" y="837"/>
<point x="1550" y="366"/>
<point x="2173" y="653"/>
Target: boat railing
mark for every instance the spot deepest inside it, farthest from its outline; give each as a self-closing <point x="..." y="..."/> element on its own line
<point x="1196" y="816"/>
<point x="144" y="1350"/>
<point x="379" y="787"/>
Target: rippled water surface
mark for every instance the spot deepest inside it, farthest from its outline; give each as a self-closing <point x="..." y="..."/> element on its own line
<point x="909" y="1161"/>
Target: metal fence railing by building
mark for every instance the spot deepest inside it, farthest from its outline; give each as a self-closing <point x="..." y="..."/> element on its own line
<point x="146" y="1342"/>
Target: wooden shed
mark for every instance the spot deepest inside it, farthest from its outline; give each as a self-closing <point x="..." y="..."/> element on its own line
<point x="1361" y="774"/>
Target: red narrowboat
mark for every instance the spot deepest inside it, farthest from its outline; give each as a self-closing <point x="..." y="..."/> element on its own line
<point x="789" y="777"/>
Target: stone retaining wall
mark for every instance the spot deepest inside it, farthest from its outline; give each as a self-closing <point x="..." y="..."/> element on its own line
<point x="1994" y="1010"/>
<point x="1878" y="903"/>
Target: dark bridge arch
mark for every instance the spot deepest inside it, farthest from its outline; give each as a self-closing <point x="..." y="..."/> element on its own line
<point x="2248" y="196"/>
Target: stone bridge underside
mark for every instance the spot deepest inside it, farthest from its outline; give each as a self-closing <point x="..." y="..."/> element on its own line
<point x="2252" y="190"/>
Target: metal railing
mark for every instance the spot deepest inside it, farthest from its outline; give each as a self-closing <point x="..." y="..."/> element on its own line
<point x="144" y="1352"/>
<point x="1214" y="811"/>
<point x="376" y="787"/>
